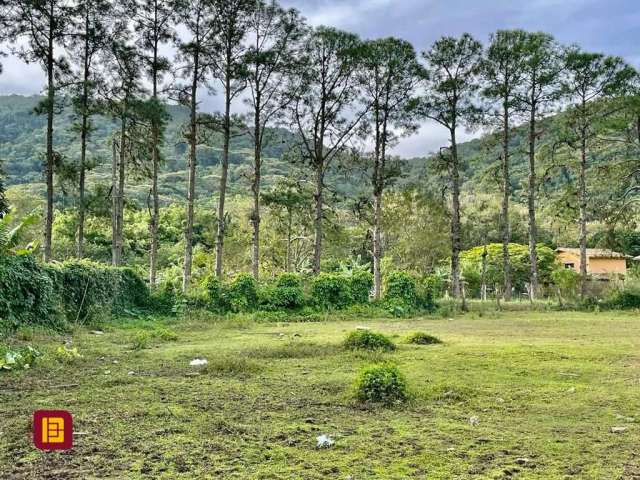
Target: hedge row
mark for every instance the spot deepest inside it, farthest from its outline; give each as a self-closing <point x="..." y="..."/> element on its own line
<point x="327" y="291"/>
<point x="36" y="294"/>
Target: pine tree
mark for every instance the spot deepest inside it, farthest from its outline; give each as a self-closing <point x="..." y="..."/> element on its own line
<point x="503" y="68"/>
<point x="274" y="33"/>
<point x="390" y="75"/>
<point x="44" y="26"/>
<point x="538" y="93"/>
<point x="154" y="25"/>
<point x="230" y="70"/>
<point x="325" y="108"/>
<point x="591" y="80"/>
<point x="91" y="37"/>
<point x="453" y="65"/>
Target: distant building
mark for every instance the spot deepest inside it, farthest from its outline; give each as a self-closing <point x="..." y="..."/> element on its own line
<point x="600" y="262"/>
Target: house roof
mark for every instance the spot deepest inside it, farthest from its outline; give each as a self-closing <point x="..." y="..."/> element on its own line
<point x="594" y="252"/>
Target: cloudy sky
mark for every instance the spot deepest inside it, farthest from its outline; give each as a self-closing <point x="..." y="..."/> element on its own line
<point x="609" y="26"/>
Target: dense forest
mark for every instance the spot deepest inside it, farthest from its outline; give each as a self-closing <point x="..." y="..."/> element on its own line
<point x="122" y="167"/>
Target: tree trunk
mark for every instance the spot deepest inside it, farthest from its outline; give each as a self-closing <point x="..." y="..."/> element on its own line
<point x="455" y="218"/>
<point x="223" y="175"/>
<point x="114" y="202"/>
<point x="155" y="139"/>
<point x="483" y="275"/>
<point x="583" y="215"/>
<point x="533" y="231"/>
<point x="48" y="229"/>
<point x="255" y="190"/>
<point x="317" y="221"/>
<point x="83" y="138"/>
<point x="377" y="240"/>
<point x="377" y="208"/>
<point x="191" y="187"/>
<point x="120" y="209"/>
<point x="289" y="229"/>
<point x="506" y="187"/>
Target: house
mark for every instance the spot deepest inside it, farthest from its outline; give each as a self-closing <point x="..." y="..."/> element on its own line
<point x="600" y="262"/>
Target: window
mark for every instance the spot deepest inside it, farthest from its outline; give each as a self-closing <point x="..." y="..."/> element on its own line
<point x="569" y="265"/>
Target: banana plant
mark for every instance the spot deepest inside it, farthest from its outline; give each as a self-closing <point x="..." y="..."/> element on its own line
<point x="10" y="237"/>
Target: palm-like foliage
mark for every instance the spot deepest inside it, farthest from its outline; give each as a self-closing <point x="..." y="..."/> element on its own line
<point x="10" y="237"/>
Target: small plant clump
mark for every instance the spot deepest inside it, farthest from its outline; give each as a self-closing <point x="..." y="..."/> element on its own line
<point x="367" y="340"/>
<point x="382" y="383"/>
<point x="19" y="359"/>
<point x="421" y="338"/>
<point x="65" y="354"/>
<point x="144" y="338"/>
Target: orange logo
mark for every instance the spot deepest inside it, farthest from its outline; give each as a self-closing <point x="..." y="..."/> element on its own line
<point x="52" y="430"/>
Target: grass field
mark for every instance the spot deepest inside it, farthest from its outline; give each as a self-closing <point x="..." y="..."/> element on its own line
<point x="545" y="390"/>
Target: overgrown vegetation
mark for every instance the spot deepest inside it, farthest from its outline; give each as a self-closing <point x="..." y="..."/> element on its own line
<point x="51" y="295"/>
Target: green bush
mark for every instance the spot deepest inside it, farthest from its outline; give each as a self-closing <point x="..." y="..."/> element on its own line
<point x="421" y="338"/>
<point x="27" y="294"/>
<point x="286" y="294"/>
<point x="218" y="300"/>
<point x="381" y="384"/>
<point x="31" y="293"/>
<point x="83" y="285"/>
<point x="361" y="283"/>
<point x="368" y="340"/>
<point x="331" y="290"/>
<point x="243" y="293"/>
<point x="567" y="281"/>
<point x="434" y="285"/>
<point x="627" y="298"/>
<point x="401" y="286"/>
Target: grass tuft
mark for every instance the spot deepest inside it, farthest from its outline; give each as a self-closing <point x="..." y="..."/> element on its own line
<point x="421" y="338"/>
<point x="367" y="340"/>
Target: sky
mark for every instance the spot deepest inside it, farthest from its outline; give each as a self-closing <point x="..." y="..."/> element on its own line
<point x="606" y="26"/>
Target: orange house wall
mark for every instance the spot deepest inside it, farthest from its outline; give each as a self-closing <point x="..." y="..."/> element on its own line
<point x="594" y="265"/>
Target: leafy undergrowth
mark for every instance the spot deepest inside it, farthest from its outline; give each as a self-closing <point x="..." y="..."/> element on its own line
<point x="514" y="395"/>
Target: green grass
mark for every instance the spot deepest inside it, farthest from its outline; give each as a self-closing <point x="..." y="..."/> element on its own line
<point x="545" y="388"/>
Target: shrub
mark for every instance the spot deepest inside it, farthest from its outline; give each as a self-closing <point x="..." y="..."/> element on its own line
<point x="625" y="299"/>
<point x="381" y="384"/>
<point x="141" y="340"/>
<point x="287" y="293"/>
<point x="567" y="280"/>
<point x="367" y="340"/>
<point x="331" y="290"/>
<point x="421" y="338"/>
<point x="83" y="285"/>
<point x="434" y="285"/>
<point x="401" y="286"/>
<point x="216" y="294"/>
<point x="361" y="283"/>
<point x="243" y="293"/>
<point x="27" y="294"/>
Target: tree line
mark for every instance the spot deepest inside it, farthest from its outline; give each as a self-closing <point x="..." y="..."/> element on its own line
<point x="338" y="94"/>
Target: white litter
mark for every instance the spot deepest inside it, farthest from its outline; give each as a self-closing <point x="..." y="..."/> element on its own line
<point x="196" y="362"/>
<point x="324" y="441"/>
<point x="474" y="421"/>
